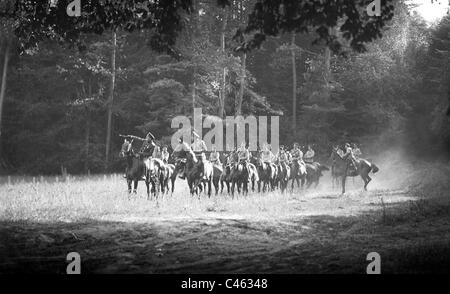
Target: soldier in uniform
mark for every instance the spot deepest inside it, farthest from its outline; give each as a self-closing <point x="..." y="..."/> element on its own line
<point x="148" y="146"/>
<point x="243" y="155"/>
<point x="157" y="152"/>
<point x="214" y="157"/>
<point x="339" y="151"/>
<point x="266" y="156"/>
<point x="309" y="155"/>
<point x="180" y="152"/>
<point x="165" y="155"/>
<point x="356" y="151"/>
<point x="348" y="155"/>
<point x="297" y="153"/>
<point x="282" y="157"/>
<point x="199" y="145"/>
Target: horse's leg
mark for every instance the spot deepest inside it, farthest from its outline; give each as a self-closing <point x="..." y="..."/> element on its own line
<point x="129" y="186"/>
<point x="369" y="179"/>
<point x="167" y="186"/>
<point x="232" y="188"/>
<point x="147" y="185"/>
<point x="209" y="187"/>
<point x="343" y="184"/>
<point x="366" y="178"/>
<point x="136" y="182"/>
<point x="216" y="185"/>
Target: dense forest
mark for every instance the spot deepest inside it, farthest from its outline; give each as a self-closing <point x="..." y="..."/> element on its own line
<point x="63" y="104"/>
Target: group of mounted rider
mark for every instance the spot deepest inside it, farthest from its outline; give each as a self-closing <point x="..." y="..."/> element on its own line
<point x="233" y="169"/>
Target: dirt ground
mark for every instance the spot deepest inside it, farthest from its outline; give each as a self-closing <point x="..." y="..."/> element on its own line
<point x="304" y="232"/>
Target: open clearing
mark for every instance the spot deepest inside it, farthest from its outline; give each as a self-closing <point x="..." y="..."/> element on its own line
<point x="318" y="231"/>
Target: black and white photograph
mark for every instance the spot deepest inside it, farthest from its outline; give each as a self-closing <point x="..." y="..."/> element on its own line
<point x="229" y="137"/>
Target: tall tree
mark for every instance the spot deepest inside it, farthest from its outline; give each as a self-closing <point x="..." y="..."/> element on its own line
<point x="6" y="39"/>
<point x="294" y="85"/>
<point x="222" y="98"/>
<point x="111" y="96"/>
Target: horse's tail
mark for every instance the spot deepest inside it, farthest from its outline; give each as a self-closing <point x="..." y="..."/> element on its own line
<point x="375" y="168"/>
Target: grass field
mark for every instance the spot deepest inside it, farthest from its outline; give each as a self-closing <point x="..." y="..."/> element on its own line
<point x="316" y="231"/>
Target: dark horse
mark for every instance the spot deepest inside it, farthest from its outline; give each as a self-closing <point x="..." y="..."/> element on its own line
<point x="136" y="168"/>
<point x="314" y="173"/>
<point x="267" y="174"/>
<point x="284" y="174"/>
<point x="298" y="173"/>
<point x="343" y="169"/>
<point x="225" y="177"/>
<point x="198" y="173"/>
<point x="159" y="174"/>
<point x="241" y="175"/>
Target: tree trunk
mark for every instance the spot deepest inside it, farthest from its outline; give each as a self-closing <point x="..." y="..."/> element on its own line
<point x="294" y="87"/>
<point x="111" y="98"/>
<point x="2" y="97"/>
<point x="328" y="59"/>
<point x="195" y="35"/>
<point x="327" y="64"/>
<point x="242" y="88"/>
<point x="224" y="73"/>
<point x="87" y="139"/>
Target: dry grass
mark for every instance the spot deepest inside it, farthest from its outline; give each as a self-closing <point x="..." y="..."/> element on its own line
<point x="320" y="231"/>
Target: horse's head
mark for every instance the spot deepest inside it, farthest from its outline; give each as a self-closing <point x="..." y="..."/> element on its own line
<point x="154" y="166"/>
<point x="190" y="156"/>
<point x="127" y="148"/>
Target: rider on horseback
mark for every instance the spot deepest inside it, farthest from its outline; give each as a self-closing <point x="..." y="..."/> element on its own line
<point x="148" y="146"/>
<point x="309" y="156"/>
<point x="266" y="156"/>
<point x="157" y="152"/>
<point x="165" y="155"/>
<point x="356" y="151"/>
<point x="350" y="157"/>
<point x="199" y="145"/>
<point x="243" y="155"/>
<point x="180" y="152"/>
<point x="297" y="153"/>
<point x="283" y="158"/>
<point x="214" y="157"/>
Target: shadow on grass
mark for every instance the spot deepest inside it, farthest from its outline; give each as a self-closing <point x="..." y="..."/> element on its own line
<point x="410" y="237"/>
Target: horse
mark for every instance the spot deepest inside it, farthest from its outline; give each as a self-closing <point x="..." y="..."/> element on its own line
<point x="239" y="178"/>
<point x="253" y="175"/>
<point x="284" y="174"/>
<point x="206" y="175"/>
<point x="225" y="177"/>
<point x="136" y="169"/>
<point x="217" y="176"/>
<point x="197" y="172"/>
<point x="342" y="169"/>
<point x="266" y="173"/>
<point x="173" y="173"/>
<point x="298" y="173"/>
<point x="159" y="174"/>
<point x="314" y="172"/>
<point x="334" y="173"/>
<point x="178" y="167"/>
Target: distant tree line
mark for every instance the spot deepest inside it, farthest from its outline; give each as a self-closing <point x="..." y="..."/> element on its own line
<point x="70" y="86"/>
